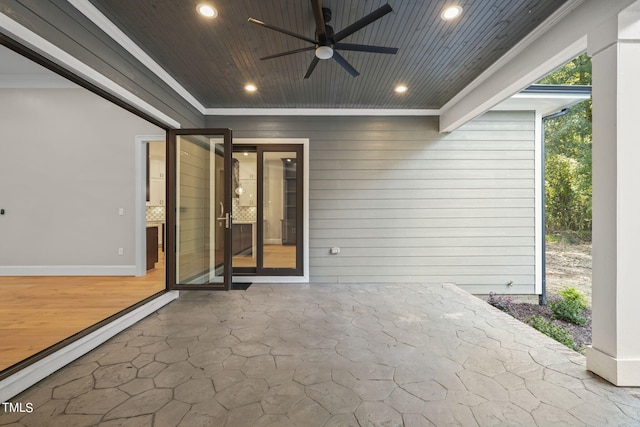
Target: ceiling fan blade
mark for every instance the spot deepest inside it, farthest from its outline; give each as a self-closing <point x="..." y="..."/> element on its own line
<point x="290" y="52"/>
<point x="343" y="62"/>
<point x="312" y="66"/>
<point x="321" y="29"/>
<point x="365" y="48"/>
<point x="363" y="22"/>
<point x="281" y="30"/>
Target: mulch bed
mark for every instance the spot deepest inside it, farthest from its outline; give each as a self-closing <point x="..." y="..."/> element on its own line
<point x="581" y="334"/>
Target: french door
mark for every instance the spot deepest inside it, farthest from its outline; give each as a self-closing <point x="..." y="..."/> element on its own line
<point x="199" y="208"/>
<point x="267" y="200"/>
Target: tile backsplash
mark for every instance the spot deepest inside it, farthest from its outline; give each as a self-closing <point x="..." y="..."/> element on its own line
<point x="243" y="213"/>
<point x="155" y="214"/>
<point x="240" y="213"/>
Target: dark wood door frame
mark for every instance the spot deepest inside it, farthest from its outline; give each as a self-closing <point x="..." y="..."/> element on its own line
<point x="170" y="253"/>
<point x="299" y="270"/>
<point x="259" y="270"/>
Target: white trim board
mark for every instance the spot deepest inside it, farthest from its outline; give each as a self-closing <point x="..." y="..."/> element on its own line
<point x="319" y="112"/>
<point x="22" y="380"/>
<point x="538" y="188"/>
<point x="95" y="16"/>
<point x="619" y="372"/>
<point x="520" y="47"/>
<point x="68" y="270"/>
<point x="556" y="41"/>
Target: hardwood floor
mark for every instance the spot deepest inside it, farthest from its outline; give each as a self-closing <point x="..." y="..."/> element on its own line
<point x="275" y="256"/>
<point x="37" y="312"/>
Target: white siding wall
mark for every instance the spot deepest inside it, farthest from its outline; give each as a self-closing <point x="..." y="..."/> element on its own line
<point x="408" y="204"/>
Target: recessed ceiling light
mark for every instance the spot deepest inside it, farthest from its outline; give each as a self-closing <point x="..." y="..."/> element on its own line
<point x="401" y="89"/>
<point x="251" y="88"/>
<point x="207" y="10"/>
<point x="451" y="12"/>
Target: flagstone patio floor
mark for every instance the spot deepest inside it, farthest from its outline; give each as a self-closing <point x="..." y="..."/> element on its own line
<point x="328" y="355"/>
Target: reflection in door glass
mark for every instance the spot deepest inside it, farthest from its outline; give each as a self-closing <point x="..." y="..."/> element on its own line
<point x="200" y="211"/>
<point x="244" y="199"/>
<point x="280" y="209"/>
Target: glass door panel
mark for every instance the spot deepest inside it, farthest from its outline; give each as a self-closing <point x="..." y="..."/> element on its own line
<point x="244" y="202"/>
<point x="280" y="210"/>
<point x="202" y="209"/>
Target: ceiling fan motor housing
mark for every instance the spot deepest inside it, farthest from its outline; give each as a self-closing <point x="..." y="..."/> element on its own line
<point x="326" y="14"/>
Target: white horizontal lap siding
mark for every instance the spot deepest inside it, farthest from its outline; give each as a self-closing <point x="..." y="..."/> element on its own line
<point x="194" y="210"/>
<point x="407" y="204"/>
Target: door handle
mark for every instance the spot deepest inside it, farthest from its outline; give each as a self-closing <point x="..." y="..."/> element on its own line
<point x="226" y="218"/>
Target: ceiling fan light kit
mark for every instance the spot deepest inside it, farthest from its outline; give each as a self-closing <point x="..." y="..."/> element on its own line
<point x="327" y="43"/>
<point x="324" y="52"/>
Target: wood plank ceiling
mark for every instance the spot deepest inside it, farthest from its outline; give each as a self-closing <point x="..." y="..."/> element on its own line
<point x="215" y="59"/>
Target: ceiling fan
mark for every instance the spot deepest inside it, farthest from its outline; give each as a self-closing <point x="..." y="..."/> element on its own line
<point x="327" y="43"/>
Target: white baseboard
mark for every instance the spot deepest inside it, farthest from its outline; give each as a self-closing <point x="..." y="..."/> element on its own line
<point x="620" y="372"/>
<point x="22" y="380"/>
<point x="270" y="279"/>
<point x="68" y="270"/>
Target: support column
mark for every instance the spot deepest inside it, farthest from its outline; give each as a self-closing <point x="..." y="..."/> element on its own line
<point x="615" y="51"/>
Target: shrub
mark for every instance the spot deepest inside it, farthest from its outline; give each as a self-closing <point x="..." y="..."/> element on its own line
<point x="570" y="306"/>
<point x="569" y="311"/>
<point x="502" y="303"/>
<point x="556" y="332"/>
<point x="569" y="293"/>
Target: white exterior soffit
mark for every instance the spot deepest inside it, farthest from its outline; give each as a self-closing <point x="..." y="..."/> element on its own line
<point x="556" y="41"/>
<point x="545" y="99"/>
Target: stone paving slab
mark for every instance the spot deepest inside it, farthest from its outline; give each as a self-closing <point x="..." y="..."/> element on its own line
<point x="328" y="355"/>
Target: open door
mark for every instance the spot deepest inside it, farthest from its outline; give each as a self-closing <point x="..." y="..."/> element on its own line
<point x="199" y="209"/>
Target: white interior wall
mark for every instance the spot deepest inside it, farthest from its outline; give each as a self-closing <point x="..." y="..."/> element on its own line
<point x="67" y="168"/>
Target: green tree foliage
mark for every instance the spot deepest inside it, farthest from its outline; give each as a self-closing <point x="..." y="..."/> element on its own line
<point x="568" y="155"/>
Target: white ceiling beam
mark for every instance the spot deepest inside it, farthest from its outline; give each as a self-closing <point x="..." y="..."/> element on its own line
<point x="95" y="16"/>
<point x="556" y="41"/>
